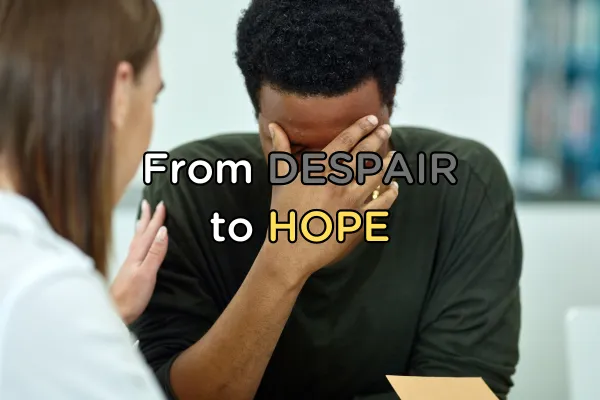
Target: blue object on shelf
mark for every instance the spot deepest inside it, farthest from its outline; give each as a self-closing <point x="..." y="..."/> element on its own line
<point x="560" y="125"/>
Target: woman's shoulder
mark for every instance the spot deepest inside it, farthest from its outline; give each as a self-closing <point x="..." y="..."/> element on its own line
<point x="29" y="260"/>
<point x="32" y="251"/>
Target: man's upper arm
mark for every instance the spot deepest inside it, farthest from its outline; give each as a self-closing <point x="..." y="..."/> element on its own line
<point x="182" y="308"/>
<point x="471" y="322"/>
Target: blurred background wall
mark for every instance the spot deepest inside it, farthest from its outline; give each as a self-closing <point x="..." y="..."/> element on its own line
<point x="463" y="76"/>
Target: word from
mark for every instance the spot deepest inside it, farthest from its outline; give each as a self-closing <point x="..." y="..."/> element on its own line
<point x="367" y="164"/>
<point x="149" y="167"/>
<point x="346" y="222"/>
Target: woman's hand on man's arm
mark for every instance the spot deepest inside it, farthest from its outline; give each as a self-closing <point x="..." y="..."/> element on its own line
<point x="135" y="281"/>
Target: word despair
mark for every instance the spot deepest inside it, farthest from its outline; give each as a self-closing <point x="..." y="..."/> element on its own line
<point x="367" y="164"/>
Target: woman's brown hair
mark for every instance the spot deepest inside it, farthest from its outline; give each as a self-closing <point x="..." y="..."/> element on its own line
<point x="58" y="60"/>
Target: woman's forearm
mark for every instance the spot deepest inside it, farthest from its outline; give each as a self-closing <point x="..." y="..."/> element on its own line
<point x="230" y="360"/>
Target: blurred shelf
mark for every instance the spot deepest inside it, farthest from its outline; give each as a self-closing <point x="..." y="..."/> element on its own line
<point x="560" y="115"/>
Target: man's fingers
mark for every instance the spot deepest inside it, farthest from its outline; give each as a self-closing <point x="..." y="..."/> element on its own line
<point x="157" y="252"/>
<point x="374" y="141"/>
<point x="385" y="200"/>
<point x="372" y="181"/>
<point x="281" y="144"/>
<point x="348" y="139"/>
<point x="280" y="139"/>
<point x="371" y="144"/>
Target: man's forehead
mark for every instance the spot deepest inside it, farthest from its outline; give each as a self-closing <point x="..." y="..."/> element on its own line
<point x="315" y="121"/>
<point x="317" y="136"/>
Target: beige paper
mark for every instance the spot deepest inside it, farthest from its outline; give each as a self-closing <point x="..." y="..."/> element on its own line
<point x="430" y="388"/>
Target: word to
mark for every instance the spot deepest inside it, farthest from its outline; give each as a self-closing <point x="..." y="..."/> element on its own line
<point x="346" y="222"/>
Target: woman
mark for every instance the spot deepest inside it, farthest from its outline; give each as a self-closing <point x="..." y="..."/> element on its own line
<point x="78" y="80"/>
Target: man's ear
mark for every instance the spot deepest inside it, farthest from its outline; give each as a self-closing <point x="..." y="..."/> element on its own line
<point x="392" y="103"/>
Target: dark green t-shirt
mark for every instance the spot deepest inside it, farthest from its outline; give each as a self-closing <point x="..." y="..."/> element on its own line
<point x="441" y="298"/>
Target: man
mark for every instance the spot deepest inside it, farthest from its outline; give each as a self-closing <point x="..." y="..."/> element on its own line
<point x="441" y="298"/>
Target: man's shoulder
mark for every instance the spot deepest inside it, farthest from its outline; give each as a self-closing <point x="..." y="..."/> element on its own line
<point x="473" y="157"/>
<point x="414" y="140"/>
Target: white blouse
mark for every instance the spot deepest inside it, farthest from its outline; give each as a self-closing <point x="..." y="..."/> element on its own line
<point x="60" y="334"/>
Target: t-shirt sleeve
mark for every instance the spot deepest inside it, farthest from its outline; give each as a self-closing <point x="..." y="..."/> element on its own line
<point x="182" y="308"/>
<point x="64" y="340"/>
<point x="471" y="322"/>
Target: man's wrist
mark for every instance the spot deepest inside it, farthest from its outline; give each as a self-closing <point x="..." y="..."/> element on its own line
<point x="284" y="272"/>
